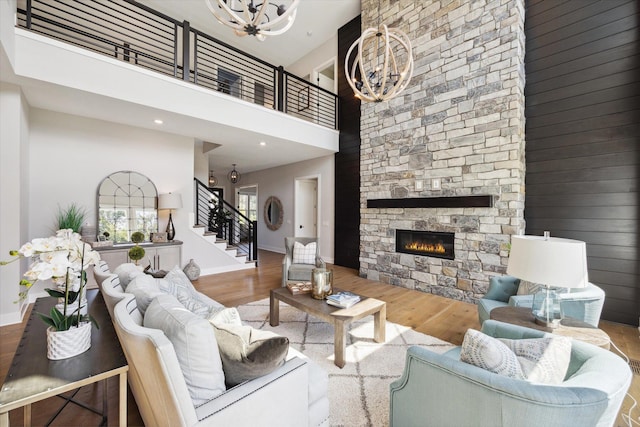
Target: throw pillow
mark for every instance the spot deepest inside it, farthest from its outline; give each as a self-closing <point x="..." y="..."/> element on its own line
<point x="248" y="353"/>
<point x="224" y="315"/>
<point x="528" y="288"/>
<point x="489" y="353"/>
<point x="145" y="289"/>
<point x="543" y="360"/>
<point x="178" y="284"/>
<point x="126" y="273"/>
<point x="502" y="288"/>
<point x="304" y="254"/>
<point x="194" y="343"/>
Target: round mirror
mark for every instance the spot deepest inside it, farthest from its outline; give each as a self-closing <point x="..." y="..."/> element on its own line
<point x="273" y="213"/>
<point x="126" y="204"/>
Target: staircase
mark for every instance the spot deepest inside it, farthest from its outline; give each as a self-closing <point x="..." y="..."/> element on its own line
<point x="224" y="227"/>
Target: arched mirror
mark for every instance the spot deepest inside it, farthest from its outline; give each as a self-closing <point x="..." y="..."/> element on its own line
<point x="273" y="213"/>
<point x="127" y="203"/>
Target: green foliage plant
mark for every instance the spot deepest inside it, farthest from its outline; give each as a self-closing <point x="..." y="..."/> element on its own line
<point x="71" y="218"/>
<point x="136" y="253"/>
<point x="137" y="237"/>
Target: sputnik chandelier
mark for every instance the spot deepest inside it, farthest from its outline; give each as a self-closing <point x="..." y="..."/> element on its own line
<point x="376" y="74"/>
<point x="247" y="17"/>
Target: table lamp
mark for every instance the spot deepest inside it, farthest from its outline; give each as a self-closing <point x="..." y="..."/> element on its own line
<point x="551" y="262"/>
<point x="170" y="201"/>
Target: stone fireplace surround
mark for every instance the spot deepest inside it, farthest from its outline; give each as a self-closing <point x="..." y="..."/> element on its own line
<point x="460" y="120"/>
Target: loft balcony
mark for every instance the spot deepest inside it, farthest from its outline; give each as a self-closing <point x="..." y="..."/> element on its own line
<point x="136" y="34"/>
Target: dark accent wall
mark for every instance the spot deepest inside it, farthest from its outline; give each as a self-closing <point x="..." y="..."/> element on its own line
<point x="582" y="96"/>
<point x="347" y="161"/>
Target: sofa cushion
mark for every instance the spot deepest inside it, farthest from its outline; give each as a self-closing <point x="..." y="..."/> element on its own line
<point x="194" y="343"/>
<point x="225" y="315"/>
<point x="126" y="273"/>
<point x="490" y="354"/>
<point x="541" y="360"/>
<point x="248" y="353"/>
<point x="145" y="289"/>
<point x="502" y="288"/>
<point x="304" y="254"/>
<point x="178" y="284"/>
<point x="300" y="272"/>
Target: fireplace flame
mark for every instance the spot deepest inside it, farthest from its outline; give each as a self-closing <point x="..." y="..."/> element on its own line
<point x="437" y="248"/>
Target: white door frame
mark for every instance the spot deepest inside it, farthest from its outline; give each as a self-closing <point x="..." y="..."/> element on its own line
<point x="315" y="177"/>
<point x="314" y="74"/>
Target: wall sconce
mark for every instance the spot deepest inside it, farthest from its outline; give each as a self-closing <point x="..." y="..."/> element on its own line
<point x="170" y="201"/>
<point x="234" y="175"/>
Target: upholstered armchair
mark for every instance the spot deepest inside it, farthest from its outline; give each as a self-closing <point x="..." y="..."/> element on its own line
<point x="299" y="261"/>
<point x="580" y="303"/>
<point x="440" y="390"/>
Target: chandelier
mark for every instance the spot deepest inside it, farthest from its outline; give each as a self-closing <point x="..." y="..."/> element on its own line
<point x="377" y="74"/>
<point x="234" y="175"/>
<point x="246" y="17"/>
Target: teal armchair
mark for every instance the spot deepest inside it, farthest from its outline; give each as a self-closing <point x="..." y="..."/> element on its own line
<point x="439" y="390"/>
<point x="581" y="303"/>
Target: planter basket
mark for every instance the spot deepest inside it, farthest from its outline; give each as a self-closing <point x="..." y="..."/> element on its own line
<point x="65" y="344"/>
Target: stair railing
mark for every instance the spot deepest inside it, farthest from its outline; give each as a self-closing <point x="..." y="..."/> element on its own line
<point x="221" y="218"/>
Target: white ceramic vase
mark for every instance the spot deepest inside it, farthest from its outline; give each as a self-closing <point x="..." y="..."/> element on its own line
<point x="69" y="343"/>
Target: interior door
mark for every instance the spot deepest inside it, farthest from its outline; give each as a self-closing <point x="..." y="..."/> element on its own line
<point x="306" y="210"/>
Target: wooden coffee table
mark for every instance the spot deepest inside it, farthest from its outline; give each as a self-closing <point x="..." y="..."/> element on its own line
<point x="340" y="318"/>
<point x="569" y="327"/>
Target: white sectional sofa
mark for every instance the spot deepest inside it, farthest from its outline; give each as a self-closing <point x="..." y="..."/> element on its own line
<point x="294" y="394"/>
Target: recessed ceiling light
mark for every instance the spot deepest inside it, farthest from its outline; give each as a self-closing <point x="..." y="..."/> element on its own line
<point x="158" y="121"/>
<point x="262" y="143"/>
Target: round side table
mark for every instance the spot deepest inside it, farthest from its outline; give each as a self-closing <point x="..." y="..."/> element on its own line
<point x="569" y="327"/>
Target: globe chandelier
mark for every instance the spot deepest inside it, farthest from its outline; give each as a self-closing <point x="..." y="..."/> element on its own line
<point x="247" y="17"/>
<point x="383" y="64"/>
<point x="234" y="175"/>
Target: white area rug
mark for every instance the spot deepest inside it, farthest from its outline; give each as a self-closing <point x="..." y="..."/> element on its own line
<point x="359" y="392"/>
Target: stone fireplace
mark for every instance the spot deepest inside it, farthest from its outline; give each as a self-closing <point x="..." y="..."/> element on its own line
<point x="456" y="132"/>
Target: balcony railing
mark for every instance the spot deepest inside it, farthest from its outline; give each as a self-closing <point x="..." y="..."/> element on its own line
<point x="134" y="33"/>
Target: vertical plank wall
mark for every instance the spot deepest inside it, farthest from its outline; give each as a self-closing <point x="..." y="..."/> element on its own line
<point x="347" y="161"/>
<point x="582" y="93"/>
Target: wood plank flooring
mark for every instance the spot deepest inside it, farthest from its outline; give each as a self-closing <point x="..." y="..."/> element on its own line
<point x="430" y="314"/>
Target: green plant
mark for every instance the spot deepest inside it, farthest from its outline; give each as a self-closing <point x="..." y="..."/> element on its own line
<point x="136" y="253"/>
<point x="137" y="237"/>
<point x="71" y="218"/>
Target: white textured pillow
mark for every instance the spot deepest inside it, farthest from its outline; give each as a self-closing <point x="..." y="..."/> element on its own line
<point x="304" y="254"/>
<point x="224" y="315"/>
<point x="528" y="288"/>
<point x="543" y="360"/>
<point x="126" y="273"/>
<point x="178" y="284"/>
<point x="489" y="353"/>
<point x="145" y="289"/>
<point x="195" y="345"/>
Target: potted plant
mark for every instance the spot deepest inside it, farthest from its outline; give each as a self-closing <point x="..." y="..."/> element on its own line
<point x="136" y="253"/>
<point x="63" y="259"/>
<point x="71" y="218"/>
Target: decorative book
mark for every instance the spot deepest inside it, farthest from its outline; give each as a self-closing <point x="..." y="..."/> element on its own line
<point x="343" y="299"/>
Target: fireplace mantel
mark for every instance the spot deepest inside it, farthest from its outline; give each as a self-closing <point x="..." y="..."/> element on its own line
<point x="484" y="201"/>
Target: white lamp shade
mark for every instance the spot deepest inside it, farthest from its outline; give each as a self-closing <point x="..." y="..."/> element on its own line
<point x="169" y="201"/>
<point x="549" y="261"/>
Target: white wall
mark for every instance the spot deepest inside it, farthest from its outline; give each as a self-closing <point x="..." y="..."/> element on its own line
<point x="280" y="182"/>
<point x="305" y="65"/>
<point x="14" y="207"/>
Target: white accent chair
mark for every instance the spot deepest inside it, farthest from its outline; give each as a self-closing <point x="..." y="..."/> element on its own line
<point x="295" y="272"/>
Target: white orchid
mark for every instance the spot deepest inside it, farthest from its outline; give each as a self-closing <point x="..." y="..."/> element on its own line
<point x="62" y="259"/>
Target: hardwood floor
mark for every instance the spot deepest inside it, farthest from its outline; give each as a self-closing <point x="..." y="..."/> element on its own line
<point x="430" y="314"/>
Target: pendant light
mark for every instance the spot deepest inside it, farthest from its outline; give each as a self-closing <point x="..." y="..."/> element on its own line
<point x="376" y="73"/>
<point x="213" y="181"/>
<point x="246" y="17"/>
<point x="234" y="175"/>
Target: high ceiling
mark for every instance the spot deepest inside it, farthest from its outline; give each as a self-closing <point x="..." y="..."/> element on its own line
<point x="316" y="21"/>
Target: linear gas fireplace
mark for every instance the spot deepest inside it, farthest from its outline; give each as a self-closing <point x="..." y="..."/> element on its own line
<point x="426" y="243"/>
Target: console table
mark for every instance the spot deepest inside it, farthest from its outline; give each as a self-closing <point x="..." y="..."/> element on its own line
<point x="32" y="377"/>
<point x="569" y="327"/>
